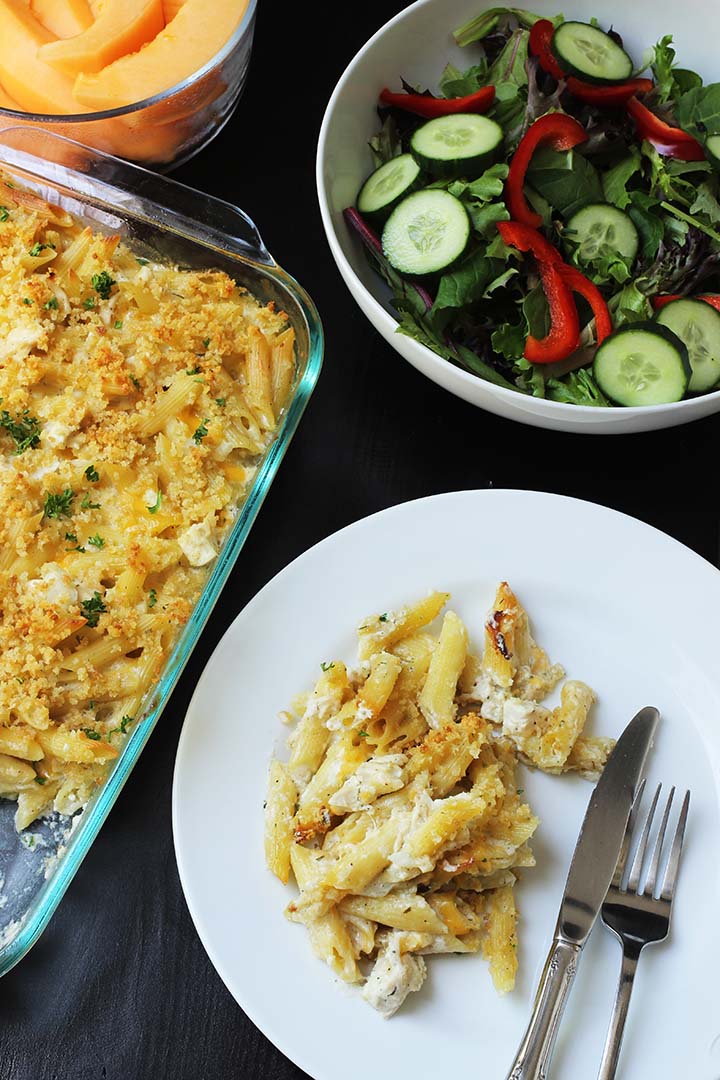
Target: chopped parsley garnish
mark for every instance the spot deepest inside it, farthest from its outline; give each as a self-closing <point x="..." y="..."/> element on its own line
<point x="193" y="371"/>
<point x="220" y="401"/>
<point x="28" y="301"/>
<point x="123" y="726"/>
<point x="383" y="617"/>
<point x="86" y="504"/>
<point x="96" y="541"/>
<point x="362" y="734"/>
<point x="102" y="283"/>
<point x="20" y="679"/>
<point x="4" y="213"/>
<point x="92" y="734"/>
<point x="38" y="248"/>
<point x="24" y="429"/>
<point x="93" y="608"/>
<point x="89" y="303"/>
<point x="142" y="262"/>
<point x="206" y="342"/>
<point x="152" y="599"/>
<point x="58" y="504"/>
<point x="326" y="667"/>
<point x="200" y="431"/>
<point x="118" y="324"/>
<point x="520" y="791"/>
<point x="72" y="539"/>
<point x="135" y="381"/>
<point x="92" y="474"/>
<point x="156" y="506"/>
<point x="40" y="780"/>
<point x="52" y="304"/>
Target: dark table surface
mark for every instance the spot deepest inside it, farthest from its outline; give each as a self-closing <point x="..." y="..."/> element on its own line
<point x="119" y="987"/>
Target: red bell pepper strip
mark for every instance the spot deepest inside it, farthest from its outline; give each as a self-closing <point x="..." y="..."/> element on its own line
<point x="668" y="141"/>
<point x="430" y="107"/>
<point x="660" y="301"/>
<point x="557" y="130"/>
<point x="584" y="287"/>
<point x="562" y="339"/>
<point x="540" y="38"/>
<point x="608" y="97"/>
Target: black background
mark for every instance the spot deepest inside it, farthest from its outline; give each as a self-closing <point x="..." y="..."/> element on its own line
<point x="119" y="987"/>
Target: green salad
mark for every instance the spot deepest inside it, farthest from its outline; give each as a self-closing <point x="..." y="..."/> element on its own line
<point x="549" y="217"/>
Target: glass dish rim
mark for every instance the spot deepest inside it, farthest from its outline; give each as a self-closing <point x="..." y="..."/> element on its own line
<point x="235" y="38"/>
<point x="90" y="820"/>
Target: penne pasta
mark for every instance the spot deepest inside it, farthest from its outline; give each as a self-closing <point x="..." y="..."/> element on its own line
<point x="137" y="401"/>
<point x="400" y="815"/>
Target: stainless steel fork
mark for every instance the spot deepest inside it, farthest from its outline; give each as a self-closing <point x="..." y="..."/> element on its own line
<point x="639" y="913"/>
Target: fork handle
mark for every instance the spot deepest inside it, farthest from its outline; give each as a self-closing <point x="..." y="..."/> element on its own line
<point x="533" y="1057"/>
<point x="611" y="1054"/>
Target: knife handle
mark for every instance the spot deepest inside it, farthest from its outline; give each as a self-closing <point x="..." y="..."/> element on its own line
<point x="533" y="1057"/>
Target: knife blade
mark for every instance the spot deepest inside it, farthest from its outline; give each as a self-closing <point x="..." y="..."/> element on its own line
<point x="589" y="876"/>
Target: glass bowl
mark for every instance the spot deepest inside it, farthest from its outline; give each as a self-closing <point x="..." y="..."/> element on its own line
<point x="167" y="129"/>
<point x="152" y="214"/>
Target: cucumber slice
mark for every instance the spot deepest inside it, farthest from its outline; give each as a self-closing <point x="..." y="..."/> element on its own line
<point x="697" y="324"/>
<point x="387" y="186"/>
<point x="590" y="54"/>
<point x="426" y="233"/>
<point x="712" y="149"/>
<point x="599" y="225"/>
<point x="642" y="363"/>
<point x="462" y="144"/>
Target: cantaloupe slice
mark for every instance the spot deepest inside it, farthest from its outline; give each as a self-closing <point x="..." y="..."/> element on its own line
<point x="63" y="18"/>
<point x="6" y="102"/>
<point x="171" y="8"/>
<point x="123" y="26"/>
<point x="188" y="42"/>
<point x="35" y="86"/>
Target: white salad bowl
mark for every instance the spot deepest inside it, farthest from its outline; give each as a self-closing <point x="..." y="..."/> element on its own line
<point x="416" y="44"/>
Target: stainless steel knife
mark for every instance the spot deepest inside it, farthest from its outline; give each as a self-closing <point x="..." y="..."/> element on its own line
<point x="590" y="874"/>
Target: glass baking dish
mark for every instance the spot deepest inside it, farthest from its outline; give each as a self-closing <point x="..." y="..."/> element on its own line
<point x="153" y="214"/>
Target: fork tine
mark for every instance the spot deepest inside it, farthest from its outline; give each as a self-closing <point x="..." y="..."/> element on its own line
<point x="671" y="871"/>
<point x="625" y="849"/>
<point x="636" y="869"/>
<point x="650" y="881"/>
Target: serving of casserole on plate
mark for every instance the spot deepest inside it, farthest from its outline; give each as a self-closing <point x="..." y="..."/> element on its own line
<point x="152" y="371"/>
<point x="399" y="810"/>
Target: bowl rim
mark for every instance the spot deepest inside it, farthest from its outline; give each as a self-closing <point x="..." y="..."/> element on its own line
<point x="156" y="99"/>
<point x="557" y="408"/>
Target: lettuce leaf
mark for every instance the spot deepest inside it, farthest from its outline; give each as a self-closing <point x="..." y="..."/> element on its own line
<point x="577" y="388"/>
<point x="455" y="83"/>
<point x="698" y="110"/>
<point x="566" y="180"/>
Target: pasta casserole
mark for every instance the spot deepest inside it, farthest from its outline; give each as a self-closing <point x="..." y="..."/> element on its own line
<point x="398" y="811"/>
<point x="136" y="399"/>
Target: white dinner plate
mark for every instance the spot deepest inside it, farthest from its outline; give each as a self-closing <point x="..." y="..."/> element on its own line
<point x="621" y="606"/>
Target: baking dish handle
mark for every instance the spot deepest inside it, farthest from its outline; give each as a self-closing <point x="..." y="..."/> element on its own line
<point x="120" y="185"/>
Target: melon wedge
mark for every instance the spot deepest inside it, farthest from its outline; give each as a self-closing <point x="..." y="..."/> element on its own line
<point x="6" y="102"/>
<point x="123" y="26"/>
<point x="171" y="8"/>
<point x="63" y="18"/>
<point x="188" y="42"/>
<point x="35" y="86"/>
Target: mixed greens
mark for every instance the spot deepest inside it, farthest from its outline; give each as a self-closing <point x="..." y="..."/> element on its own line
<point x="544" y="200"/>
